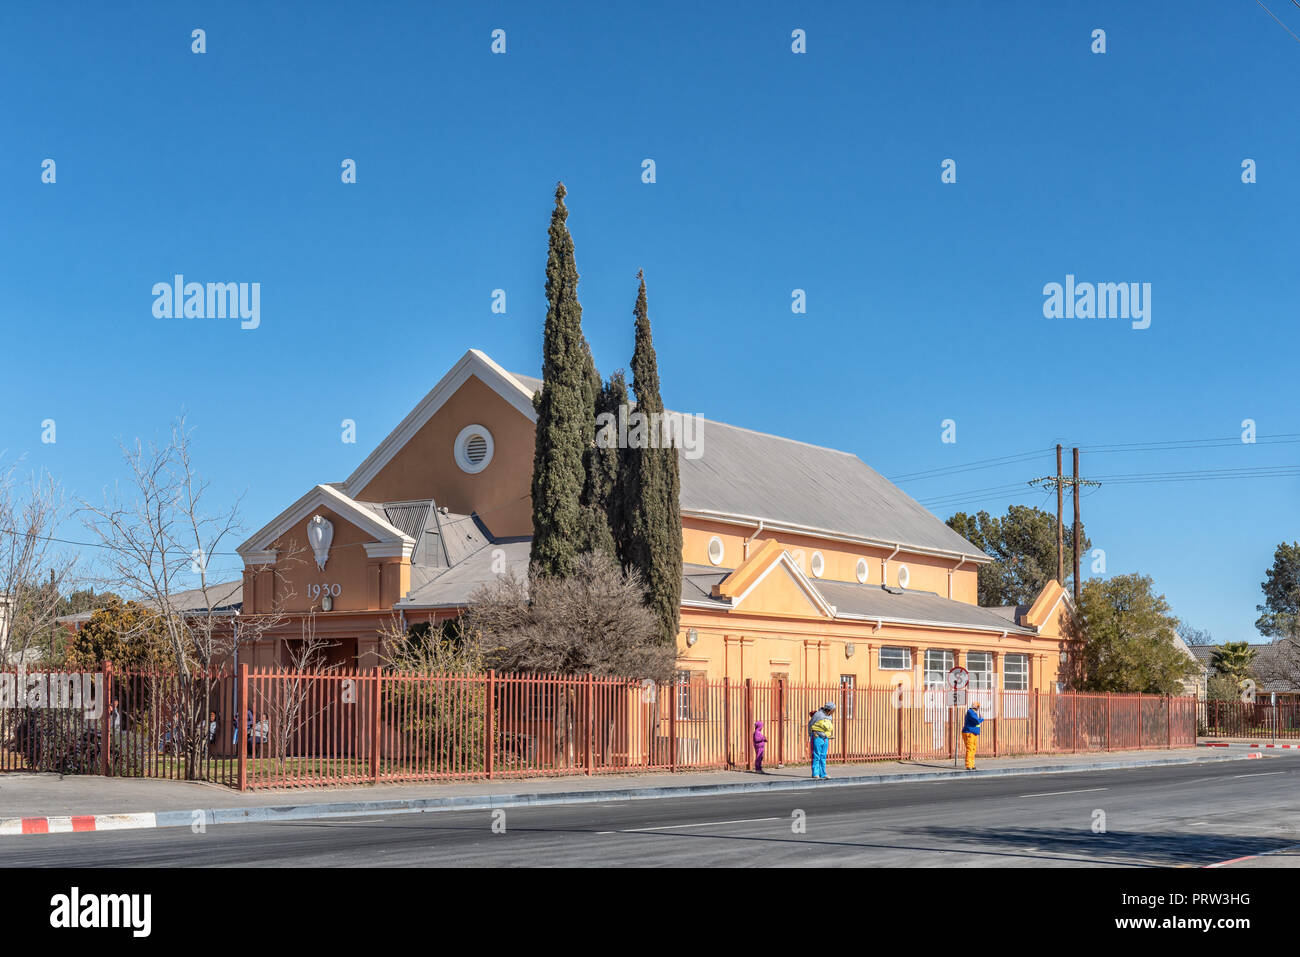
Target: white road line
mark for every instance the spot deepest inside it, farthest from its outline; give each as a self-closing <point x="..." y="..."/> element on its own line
<point x="673" y="827"/>
<point x="1043" y="794"/>
<point x="1258" y="774"/>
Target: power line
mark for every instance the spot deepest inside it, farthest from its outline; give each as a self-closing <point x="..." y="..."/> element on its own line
<point x="1279" y="22"/>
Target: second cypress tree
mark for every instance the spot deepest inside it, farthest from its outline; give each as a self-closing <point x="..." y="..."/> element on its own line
<point x="652" y="486"/>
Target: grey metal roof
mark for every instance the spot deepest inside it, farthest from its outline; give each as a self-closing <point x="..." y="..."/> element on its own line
<point x="1011" y="613"/>
<point x="462" y="535"/>
<point x="873" y="601"/>
<point x="455" y="585"/>
<point x="698" y="582"/>
<point x="752" y="474"/>
<point x="408" y="517"/>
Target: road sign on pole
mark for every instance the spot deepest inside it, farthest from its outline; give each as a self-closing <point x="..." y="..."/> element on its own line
<point x="956" y="681"/>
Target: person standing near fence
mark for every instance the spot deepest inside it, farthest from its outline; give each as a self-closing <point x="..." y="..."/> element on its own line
<point x="760" y="745"/>
<point x="970" y="733"/>
<point x="820" y="729"/>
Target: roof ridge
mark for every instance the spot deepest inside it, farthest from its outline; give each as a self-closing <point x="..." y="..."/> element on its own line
<point x="741" y="428"/>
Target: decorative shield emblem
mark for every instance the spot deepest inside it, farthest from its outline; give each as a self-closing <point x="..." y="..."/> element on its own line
<point x="320" y="532"/>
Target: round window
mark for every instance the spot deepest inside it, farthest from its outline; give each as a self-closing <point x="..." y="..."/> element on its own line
<point x="473" y="448"/>
<point x="715" y="550"/>
<point x="904" y="576"/>
<point x="862" y="570"/>
<point x="817" y="564"/>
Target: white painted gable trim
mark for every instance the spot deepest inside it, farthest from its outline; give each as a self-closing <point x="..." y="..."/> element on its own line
<point x="473" y="363"/>
<point x="255" y="550"/>
<point x="800" y="579"/>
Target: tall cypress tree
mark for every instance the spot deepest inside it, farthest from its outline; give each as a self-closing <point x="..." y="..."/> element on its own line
<point x="652" y="491"/>
<point x="565" y="409"/>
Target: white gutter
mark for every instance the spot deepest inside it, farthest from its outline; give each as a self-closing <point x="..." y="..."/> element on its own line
<point x="953" y="569"/>
<point x="931" y="624"/>
<point x="758" y="531"/>
<point x="884" y="565"/>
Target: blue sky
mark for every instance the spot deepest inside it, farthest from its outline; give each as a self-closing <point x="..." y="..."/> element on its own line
<point x="775" y="171"/>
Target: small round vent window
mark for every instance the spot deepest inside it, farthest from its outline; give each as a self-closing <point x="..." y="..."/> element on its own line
<point x="715" y="550"/>
<point x="862" y="570"/>
<point x="904" y="576"/>
<point x="817" y="564"/>
<point x="473" y="448"/>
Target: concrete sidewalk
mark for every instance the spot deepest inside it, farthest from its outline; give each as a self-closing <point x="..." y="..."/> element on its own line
<point x="46" y="803"/>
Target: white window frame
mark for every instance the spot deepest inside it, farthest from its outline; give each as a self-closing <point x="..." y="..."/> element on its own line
<point x="462" y="439"/>
<point x="847" y="684"/>
<point x="907" y="658"/>
<point x="981" y="678"/>
<point x="722" y="550"/>
<point x="934" y="677"/>
<point x="1015" y="667"/>
<point x="817" y="565"/>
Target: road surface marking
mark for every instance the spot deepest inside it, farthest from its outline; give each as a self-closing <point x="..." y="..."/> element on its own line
<point x="1258" y="774"/>
<point x="673" y="827"/>
<point x="1044" y="794"/>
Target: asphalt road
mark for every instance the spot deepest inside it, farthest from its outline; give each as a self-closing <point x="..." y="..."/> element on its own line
<point x="1164" y="816"/>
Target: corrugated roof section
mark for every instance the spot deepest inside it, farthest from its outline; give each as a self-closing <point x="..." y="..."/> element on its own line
<point x="873" y="601"/>
<point x="745" y="473"/>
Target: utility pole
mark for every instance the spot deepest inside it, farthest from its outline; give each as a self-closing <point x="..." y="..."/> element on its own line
<point x="1060" y="481"/>
<point x="1077" y="538"/>
<point x="1060" y="531"/>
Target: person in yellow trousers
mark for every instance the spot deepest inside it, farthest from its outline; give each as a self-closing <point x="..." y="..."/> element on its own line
<point x="970" y="733"/>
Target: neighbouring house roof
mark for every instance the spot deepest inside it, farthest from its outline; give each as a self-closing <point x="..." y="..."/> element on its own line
<point x="752" y="476"/>
<point x="221" y="597"/>
<point x="1276" y="666"/>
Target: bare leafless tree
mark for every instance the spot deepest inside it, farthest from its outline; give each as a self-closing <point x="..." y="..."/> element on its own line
<point x="34" y="570"/>
<point x="157" y="535"/>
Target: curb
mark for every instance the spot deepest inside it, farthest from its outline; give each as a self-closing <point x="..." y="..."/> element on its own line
<point x="1242" y="744"/>
<point x="482" y="802"/>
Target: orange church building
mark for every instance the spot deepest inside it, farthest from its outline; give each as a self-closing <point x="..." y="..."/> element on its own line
<point x="800" y="562"/>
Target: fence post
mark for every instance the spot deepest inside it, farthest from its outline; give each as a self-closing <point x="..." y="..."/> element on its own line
<point x="242" y="732"/>
<point x="590" y="720"/>
<point x="898" y="710"/>
<point x="1036" y="721"/>
<point x="672" y="724"/>
<point x="1074" y="722"/>
<point x="726" y="722"/>
<point x="1107" y="720"/>
<point x="1169" y="721"/>
<point x="375" y="706"/>
<point x="1139" y="720"/>
<point x="844" y="725"/>
<point x="780" y="717"/>
<point x="998" y="704"/>
<point x="749" y="723"/>
<point x="491" y="719"/>
<point x="106" y="734"/>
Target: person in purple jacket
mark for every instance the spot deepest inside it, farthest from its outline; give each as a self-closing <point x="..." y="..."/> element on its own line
<point x="760" y="745"/>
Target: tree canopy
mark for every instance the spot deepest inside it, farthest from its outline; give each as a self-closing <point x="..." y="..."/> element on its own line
<point x="1124" y="636"/>
<point x="1022" y="544"/>
<point x="1280" y="613"/>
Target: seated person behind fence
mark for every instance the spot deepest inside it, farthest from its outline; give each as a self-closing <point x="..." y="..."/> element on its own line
<point x="212" y="727"/>
<point x="261" y="730"/>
